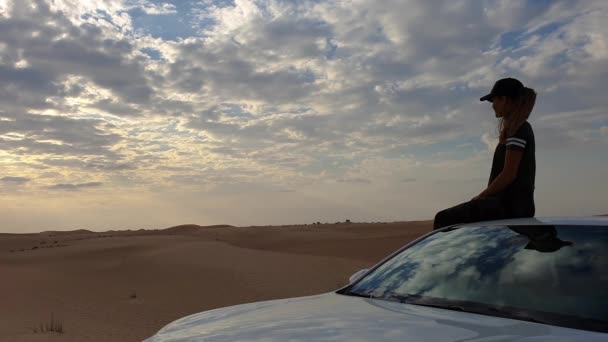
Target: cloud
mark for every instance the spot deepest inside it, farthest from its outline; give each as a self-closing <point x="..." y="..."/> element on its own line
<point x="75" y="187"/>
<point x="490" y="141"/>
<point x="308" y="94"/>
<point x="49" y="134"/>
<point x="14" y="180"/>
<point x="89" y="164"/>
<point x="158" y="9"/>
<point x="55" y="50"/>
<point x="354" y="180"/>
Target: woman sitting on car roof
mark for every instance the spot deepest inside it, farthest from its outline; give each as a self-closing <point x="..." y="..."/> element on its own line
<point x="510" y="191"/>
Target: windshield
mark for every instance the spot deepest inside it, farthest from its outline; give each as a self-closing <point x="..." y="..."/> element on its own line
<point x="556" y="275"/>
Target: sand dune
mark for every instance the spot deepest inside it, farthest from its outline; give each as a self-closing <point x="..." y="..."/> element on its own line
<point x="125" y="285"/>
<point x="190" y="228"/>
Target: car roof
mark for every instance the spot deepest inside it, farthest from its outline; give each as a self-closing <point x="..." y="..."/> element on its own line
<point x="537" y="221"/>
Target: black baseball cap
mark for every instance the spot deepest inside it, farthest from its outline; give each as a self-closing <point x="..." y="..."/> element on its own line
<point x="510" y="87"/>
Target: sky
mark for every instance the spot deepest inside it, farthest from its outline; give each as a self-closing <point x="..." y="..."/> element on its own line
<point x="147" y="114"/>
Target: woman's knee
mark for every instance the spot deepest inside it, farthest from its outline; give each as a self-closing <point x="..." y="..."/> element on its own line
<point x="456" y="214"/>
<point x="439" y="220"/>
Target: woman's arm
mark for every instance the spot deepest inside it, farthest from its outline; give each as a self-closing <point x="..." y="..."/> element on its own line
<point x="506" y="176"/>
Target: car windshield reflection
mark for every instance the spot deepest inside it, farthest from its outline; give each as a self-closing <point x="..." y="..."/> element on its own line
<point x="554" y="274"/>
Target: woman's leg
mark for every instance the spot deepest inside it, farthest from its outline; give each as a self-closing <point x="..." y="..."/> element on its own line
<point x="472" y="211"/>
<point x="457" y="214"/>
<point x="521" y="208"/>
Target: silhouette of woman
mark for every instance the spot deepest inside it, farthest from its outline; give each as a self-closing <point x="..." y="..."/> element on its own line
<point x="510" y="191"/>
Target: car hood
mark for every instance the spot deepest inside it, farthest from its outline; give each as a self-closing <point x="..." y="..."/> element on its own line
<point x="335" y="317"/>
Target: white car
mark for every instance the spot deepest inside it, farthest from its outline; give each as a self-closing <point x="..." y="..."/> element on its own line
<point x="512" y="280"/>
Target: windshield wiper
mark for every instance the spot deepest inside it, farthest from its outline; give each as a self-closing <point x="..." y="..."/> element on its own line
<point x="491" y="310"/>
<point x="471" y="308"/>
<point x="511" y="313"/>
<point x="419" y="300"/>
<point x="357" y="294"/>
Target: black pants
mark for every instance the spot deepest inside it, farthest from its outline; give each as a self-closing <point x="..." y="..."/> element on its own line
<point x="472" y="211"/>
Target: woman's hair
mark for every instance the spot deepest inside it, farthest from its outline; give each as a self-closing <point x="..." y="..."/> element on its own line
<point x="518" y="113"/>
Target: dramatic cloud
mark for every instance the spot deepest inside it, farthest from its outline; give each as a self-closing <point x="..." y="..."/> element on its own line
<point x="339" y="107"/>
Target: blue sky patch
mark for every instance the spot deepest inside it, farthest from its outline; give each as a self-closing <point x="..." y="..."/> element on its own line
<point x="189" y="19"/>
<point x="234" y="110"/>
<point x="152" y="53"/>
<point x="514" y="39"/>
<point x="165" y="26"/>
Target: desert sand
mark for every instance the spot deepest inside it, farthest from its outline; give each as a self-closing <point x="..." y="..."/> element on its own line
<point x="126" y="285"/>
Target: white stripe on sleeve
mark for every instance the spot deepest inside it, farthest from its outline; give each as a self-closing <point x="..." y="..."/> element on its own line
<point x="516" y="144"/>
<point x="517" y="140"/>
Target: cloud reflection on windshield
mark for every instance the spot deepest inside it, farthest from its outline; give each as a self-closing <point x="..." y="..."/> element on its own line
<point x="540" y="268"/>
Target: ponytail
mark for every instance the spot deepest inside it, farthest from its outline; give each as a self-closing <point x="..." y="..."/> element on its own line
<point x="520" y="112"/>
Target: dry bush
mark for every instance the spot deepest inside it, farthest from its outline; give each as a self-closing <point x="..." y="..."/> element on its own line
<point x="52" y="326"/>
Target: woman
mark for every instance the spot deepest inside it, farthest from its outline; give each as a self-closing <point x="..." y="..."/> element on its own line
<point x="510" y="191"/>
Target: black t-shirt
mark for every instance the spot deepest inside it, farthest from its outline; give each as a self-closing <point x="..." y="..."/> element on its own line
<point x="518" y="196"/>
